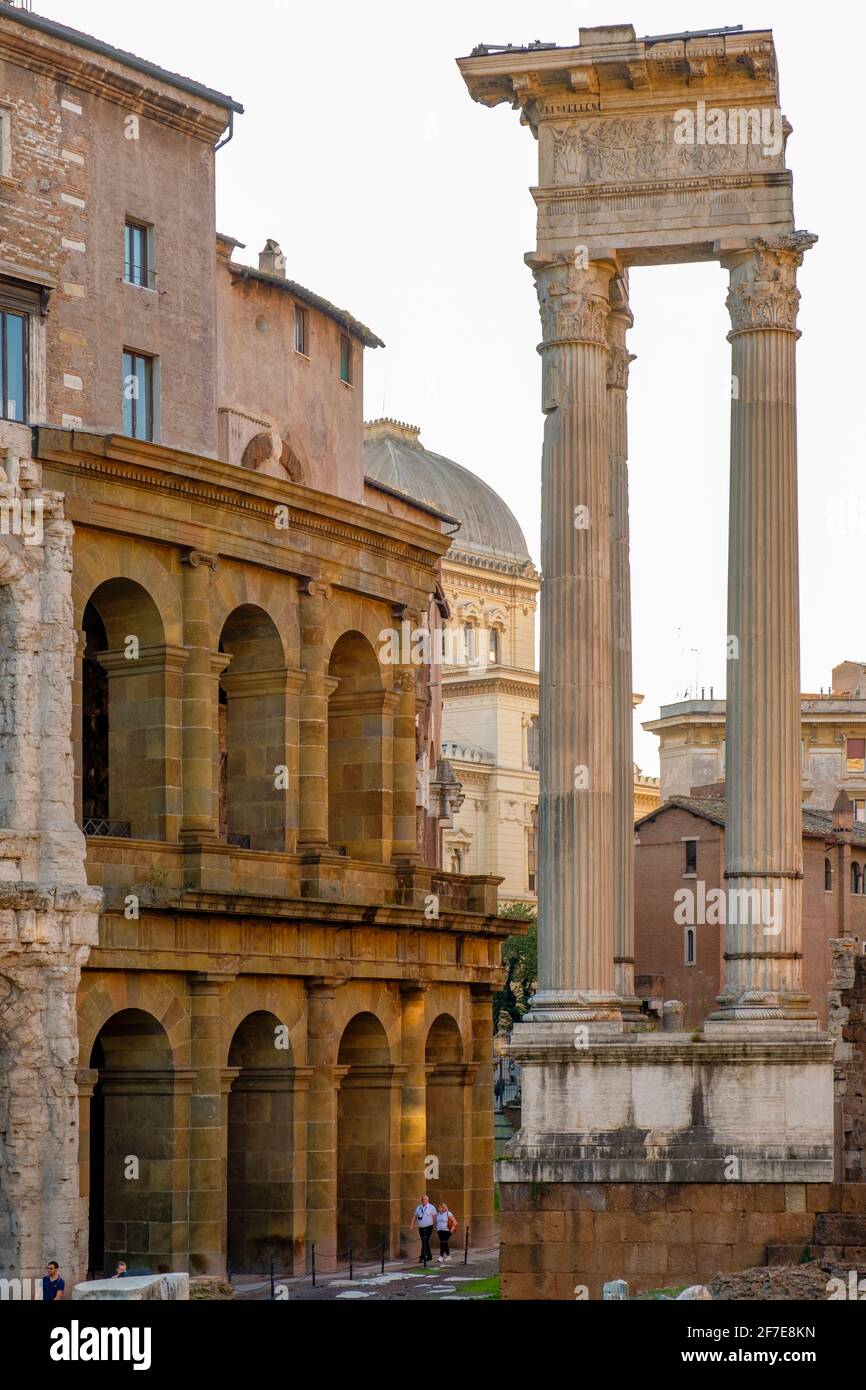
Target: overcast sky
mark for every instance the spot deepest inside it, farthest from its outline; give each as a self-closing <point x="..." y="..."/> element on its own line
<point x="397" y="197"/>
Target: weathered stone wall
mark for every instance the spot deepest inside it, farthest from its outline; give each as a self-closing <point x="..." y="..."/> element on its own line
<point x="561" y="1238"/>
<point x="48" y="914"/>
<point x="848" y="1028"/>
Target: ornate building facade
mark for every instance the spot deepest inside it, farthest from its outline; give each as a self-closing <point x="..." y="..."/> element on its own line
<point x="243" y="1005"/>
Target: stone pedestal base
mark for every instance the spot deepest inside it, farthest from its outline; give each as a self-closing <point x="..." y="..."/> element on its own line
<point x="565" y="1240"/>
<point x="660" y="1158"/>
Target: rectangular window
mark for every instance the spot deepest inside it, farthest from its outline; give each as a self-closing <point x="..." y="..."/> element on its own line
<point x="856" y="755"/>
<point x="13" y="365"/>
<point x="301" y="331"/>
<point x="858" y="804"/>
<point x="691" y="853"/>
<point x="346" y="359"/>
<point x="138" y="255"/>
<point x="532" y="858"/>
<point x="5" y="144"/>
<point x="138" y="395"/>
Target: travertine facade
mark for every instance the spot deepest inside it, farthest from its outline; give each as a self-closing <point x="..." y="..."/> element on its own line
<point x="285" y="1014"/>
<point x="628" y="177"/>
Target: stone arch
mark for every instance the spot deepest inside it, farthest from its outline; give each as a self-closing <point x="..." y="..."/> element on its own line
<point x="253" y="778"/>
<point x="260" y="1142"/>
<point x="367" y="1139"/>
<point x="122" y="731"/>
<point x="360" y="721"/>
<point x="446" y="1119"/>
<point x="101" y="560"/>
<point x="133" y="1120"/>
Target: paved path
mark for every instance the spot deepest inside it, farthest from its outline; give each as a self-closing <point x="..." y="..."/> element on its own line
<point x="402" y="1280"/>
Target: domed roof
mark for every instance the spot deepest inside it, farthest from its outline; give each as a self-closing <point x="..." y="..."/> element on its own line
<point x="395" y="457"/>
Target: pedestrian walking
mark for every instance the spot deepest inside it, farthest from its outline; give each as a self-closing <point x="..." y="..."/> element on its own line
<point x="446" y="1225"/>
<point x="425" y="1216"/>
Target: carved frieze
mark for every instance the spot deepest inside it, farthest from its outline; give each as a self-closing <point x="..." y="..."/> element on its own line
<point x="618" y="150"/>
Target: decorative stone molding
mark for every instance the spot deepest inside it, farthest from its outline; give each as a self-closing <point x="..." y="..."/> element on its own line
<point x="763" y="293"/>
<point x="573" y="301"/>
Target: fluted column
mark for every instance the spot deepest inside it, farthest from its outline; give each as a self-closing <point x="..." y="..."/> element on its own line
<point x="576" y="898"/>
<point x="313" y="721"/>
<point x="764" y="853"/>
<point x="207" y="1127"/>
<point x="618" y="324"/>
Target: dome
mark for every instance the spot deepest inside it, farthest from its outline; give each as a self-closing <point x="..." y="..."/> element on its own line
<point x="395" y="457"/>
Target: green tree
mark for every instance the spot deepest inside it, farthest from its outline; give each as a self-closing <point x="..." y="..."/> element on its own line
<point x="520" y="958"/>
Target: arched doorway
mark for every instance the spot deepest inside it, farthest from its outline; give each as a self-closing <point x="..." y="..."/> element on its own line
<point x="260" y="1147"/>
<point x="365" y="1151"/>
<point x="359" y="792"/>
<point x="252" y="733"/>
<point x="123" y="714"/>
<point x="132" y="1123"/>
<point x="446" y="1128"/>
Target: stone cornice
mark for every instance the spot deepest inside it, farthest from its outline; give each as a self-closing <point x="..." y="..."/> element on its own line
<point x="152" y="467"/>
<point x="498" y="685"/>
<point x="144" y="89"/>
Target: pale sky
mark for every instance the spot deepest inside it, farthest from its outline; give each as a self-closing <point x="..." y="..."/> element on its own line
<point x="396" y="196"/>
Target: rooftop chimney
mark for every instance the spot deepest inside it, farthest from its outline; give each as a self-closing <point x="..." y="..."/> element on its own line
<point x="843" y="814"/>
<point x="271" y="259"/>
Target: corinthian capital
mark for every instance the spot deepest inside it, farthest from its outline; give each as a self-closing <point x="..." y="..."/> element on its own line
<point x="573" y="297"/>
<point x="763" y="292"/>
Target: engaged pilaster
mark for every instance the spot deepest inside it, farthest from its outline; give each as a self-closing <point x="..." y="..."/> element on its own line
<point x="576" y="894"/>
<point x="764" y="854"/>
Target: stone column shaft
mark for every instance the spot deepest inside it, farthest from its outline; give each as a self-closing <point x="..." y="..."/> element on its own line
<point x="576" y="899"/>
<point x="413" y="1114"/>
<point x="619" y="322"/>
<point x="207" y="1129"/>
<point x="764" y="855"/>
<point x="313" y="721"/>
<point x="322" y="1121"/>
<point x="200" y="760"/>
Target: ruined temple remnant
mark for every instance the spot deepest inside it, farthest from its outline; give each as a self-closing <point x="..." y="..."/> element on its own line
<point x="661" y="151"/>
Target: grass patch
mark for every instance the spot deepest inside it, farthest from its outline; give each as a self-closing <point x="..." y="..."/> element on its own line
<point x="482" y="1288"/>
<point x="658" y="1294"/>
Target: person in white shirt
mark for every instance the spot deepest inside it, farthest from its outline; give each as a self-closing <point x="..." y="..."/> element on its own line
<point x="446" y="1225"/>
<point x="425" y="1215"/>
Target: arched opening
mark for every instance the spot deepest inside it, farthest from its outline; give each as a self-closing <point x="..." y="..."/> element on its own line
<point x="364" y="1148"/>
<point x="253" y="778"/>
<point x="260" y="1147"/>
<point x="359" y="792"/>
<point x="132" y="1122"/>
<point x="690" y="946"/>
<point x="123" y="723"/>
<point x="828" y="876"/>
<point x="445" y="1119"/>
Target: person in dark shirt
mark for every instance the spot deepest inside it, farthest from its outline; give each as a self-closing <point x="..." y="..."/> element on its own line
<point x="119" y="1270"/>
<point x="52" y="1285"/>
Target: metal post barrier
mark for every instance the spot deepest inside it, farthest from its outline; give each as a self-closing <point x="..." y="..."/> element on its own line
<point x="466" y="1247"/>
<point x="313" y="1261"/>
<point x="384" y="1238"/>
<point x="350" y="1260"/>
<point x="273" y="1290"/>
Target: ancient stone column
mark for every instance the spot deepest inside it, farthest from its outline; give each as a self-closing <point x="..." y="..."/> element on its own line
<point x="404" y="849"/>
<point x="575" y="895"/>
<point x="482" y="1218"/>
<point x="763" y="837"/>
<point x="413" y="1110"/>
<point x="207" y="1128"/>
<point x="618" y="324"/>
<point x="322" y="1097"/>
<point x="313" y="721"/>
<point x="200" y="761"/>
